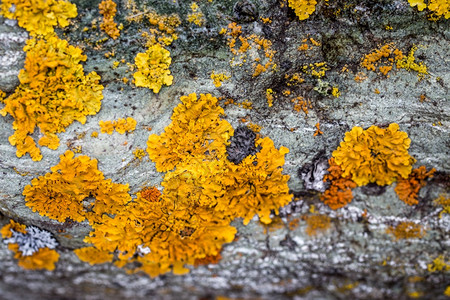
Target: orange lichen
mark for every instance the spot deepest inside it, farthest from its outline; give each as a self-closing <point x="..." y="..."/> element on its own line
<point x="318" y="131"/>
<point x="44" y="258"/>
<point x="153" y="68"/>
<point x="203" y="131"/>
<point x="375" y="155"/>
<point x="339" y="193"/>
<point x="108" y="11"/>
<point x="241" y="46"/>
<point x="53" y="93"/>
<point x="303" y="8"/>
<point x="373" y="59"/>
<point x="150" y="194"/>
<point x="125" y="125"/>
<point x="139" y="153"/>
<point x="208" y="260"/>
<point x="93" y="255"/>
<point x="69" y="185"/>
<point x="317" y="224"/>
<point x="39" y="17"/>
<point x="301" y="104"/>
<point x="408" y="189"/>
<point x="256" y="185"/>
<point x="6" y="230"/>
<point x="407" y="230"/>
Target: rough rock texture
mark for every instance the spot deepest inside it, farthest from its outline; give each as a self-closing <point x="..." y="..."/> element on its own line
<point x="355" y="257"/>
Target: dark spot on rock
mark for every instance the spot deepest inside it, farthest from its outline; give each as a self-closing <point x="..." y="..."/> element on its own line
<point x="245" y="11"/>
<point x="373" y="189"/>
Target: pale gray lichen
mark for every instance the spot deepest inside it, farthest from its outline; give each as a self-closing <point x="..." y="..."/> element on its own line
<point x="32" y="241"/>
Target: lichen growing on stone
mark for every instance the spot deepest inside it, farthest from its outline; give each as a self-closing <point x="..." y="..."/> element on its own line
<point x="39" y="17"/>
<point x="408" y="189"/>
<point x="153" y="68"/>
<point x="303" y="8"/>
<point x="69" y="186"/>
<point x="375" y="155"/>
<point x="317" y="224"/>
<point x="32" y="247"/>
<point x="121" y="125"/>
<point x="339" y="193"/>
<point x="108" y="11"/>
<point x="53" y="93"/>
<point x="198" y="119"/>
<point x="438" y="8"/>
<point x="407" y="230"/>
<point x="196" y="16"/>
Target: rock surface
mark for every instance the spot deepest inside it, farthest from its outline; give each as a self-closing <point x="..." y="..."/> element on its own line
<point x="355" y="257"/>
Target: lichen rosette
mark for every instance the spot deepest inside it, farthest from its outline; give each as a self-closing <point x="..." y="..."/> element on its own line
<point x="375" y="155"/>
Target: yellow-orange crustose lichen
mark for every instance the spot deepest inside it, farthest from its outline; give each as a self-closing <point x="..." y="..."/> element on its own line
<point x="390" y="54"/>
<point x="339" y="193"/>
<point x="121" y="125"/>
<point x="69" y="186"/>
<point x="303" y="8"/>
<point x="218" y="78"/>
<point x="53" y="93"/>
<point x="241" y="46"/>
<point x="316" y="224"/>
<point x="162" y="27"/>
<point x="375" y="155"/>
<point x="408" y="189"/>
<point x="444" y="201"/>
<point x="42" y="258"/>
<point x="39" y="17"/>
<point x="108" y="11"/>
<point x="153" y="68"/>
<point x="407" y="230"/>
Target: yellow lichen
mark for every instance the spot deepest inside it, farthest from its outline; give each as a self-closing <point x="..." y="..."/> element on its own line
<point x="196" y="16"/>
<point x="406" y="230"/>
<point x="439" y="8"/>
<point x="153" y="68"/>
<point x="269" y="96"/>
<point x="408" y="189"/>
<point x="317" y="224"/>
<point x="93" y="255"/>
<point x="203" y="131"/>
<point x="444" y="201"/>
<point x="69" y="186"/>
<point x="375" y="155"/>
<point x="39" y="17"/>
<point x="219" y="78"/>
<point x="409" y="63"/>
<point x="108" y="11"/>
<point x="53" y="93"/>
<point x="139" y="153"/>
<point x="44" y="258"/>
<point x="439" y="264"/>
<point x="303" y="8"/>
